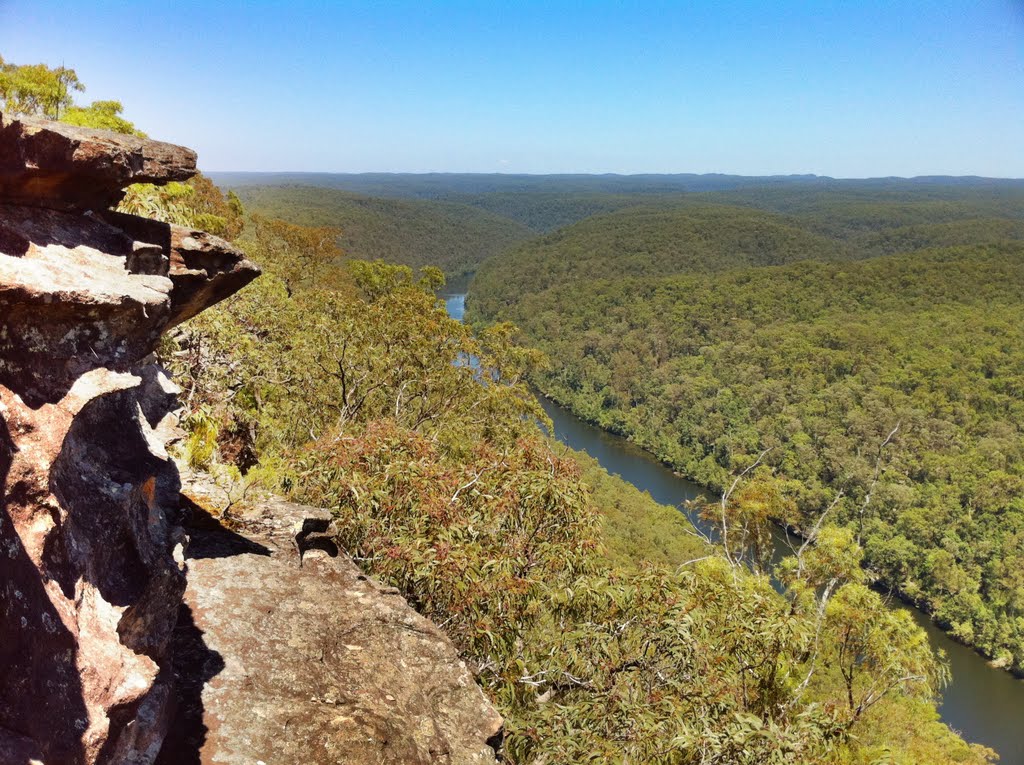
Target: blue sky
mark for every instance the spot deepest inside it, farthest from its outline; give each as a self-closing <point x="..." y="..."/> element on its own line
<point x="848" y="89"/>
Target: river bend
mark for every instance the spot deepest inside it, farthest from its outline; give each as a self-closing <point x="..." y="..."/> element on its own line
<point x="986" y="705"/>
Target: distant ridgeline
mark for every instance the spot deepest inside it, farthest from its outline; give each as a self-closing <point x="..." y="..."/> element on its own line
<point x="812" y="318"/>
<point x="456" y="221"/>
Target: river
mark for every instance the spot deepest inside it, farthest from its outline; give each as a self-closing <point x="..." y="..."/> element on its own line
<point x="986" y="705"/>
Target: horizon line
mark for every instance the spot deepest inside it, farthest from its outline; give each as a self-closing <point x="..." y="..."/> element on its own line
<point x="808" y="176"/>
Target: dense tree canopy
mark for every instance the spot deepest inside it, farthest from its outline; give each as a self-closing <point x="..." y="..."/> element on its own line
<point x="820" y="362"/>
<point x="348" y="386"/>
<point x="416" y="233"/>
<point x="651" y="240"/>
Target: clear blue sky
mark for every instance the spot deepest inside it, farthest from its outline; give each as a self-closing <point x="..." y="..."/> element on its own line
<point x="848" y="89"/>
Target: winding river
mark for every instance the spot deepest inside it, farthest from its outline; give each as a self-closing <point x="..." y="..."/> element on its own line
<point x="985" y="704"/>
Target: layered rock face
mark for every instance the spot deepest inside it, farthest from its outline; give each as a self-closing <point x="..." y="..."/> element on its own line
<point x="92" y="567"/>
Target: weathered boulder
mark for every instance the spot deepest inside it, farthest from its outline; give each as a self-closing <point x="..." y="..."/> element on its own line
<point x="282" y="663"/>
<point x="92" y="567"/>
<point x="50" y="164"/>
<point x="203" y="268"/>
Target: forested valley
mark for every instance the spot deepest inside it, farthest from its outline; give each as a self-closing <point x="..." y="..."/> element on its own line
<point x="601" y="626"/>
<point x="856" y="340"/>
<point x="871" y="402"/>
<point x="868" y="345"/>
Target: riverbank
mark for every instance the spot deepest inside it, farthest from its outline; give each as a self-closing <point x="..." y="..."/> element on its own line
<point x="784" y="530"/>
<point x="981" y="702"/>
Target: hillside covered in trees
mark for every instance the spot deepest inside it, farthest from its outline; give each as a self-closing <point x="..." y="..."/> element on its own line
<point x="632" y="224"/>
<point x="545" y="203"/>
<point x="880" y="387"/>
<point x="414" y="232"/>
<point x="599" y="625"/>
<point x="654" y="240"/>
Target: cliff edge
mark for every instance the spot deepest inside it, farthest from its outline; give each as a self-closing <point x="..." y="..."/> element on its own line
<point x="98" y="649"/>
<point x="286" y="652"/>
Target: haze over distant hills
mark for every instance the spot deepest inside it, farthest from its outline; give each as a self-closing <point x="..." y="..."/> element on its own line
<point x="437" y="185"/>
<point x="458" y="220"/>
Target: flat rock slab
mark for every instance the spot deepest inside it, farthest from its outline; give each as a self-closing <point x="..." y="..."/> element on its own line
<point x="78" y="292"/>
<point x="51" y="164"/>
<point x="315" y="664"/>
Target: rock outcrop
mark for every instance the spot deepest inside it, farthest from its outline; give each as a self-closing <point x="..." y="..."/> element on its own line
<point x="92" y="566"/>
<point x="283" y="660"/>
<point x="64" y="167"/>
<point x="103" y="650"/>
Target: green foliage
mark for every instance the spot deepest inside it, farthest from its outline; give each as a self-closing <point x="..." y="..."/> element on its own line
<point x="42" y="91"/>
<point x="104" y="115"/>
<point x="312" y="348"/>
<point x="36" y="89"/>
<point x="474" y="541"/>
<point x="202" y="439"/>
<point x="850" y="210"/>
<point x="499" y="547"/>
<point x="949" y="234"/>
<point x="453" y="237"/>
<point x="211" y="211"/>
<point x="817" y="361"/>
<point x="195" y="204"/>
<point x="834" y="208"/>
<point x="169" y="203"/>
<point x="635" y="528"/>
<point x="877" y="647"/>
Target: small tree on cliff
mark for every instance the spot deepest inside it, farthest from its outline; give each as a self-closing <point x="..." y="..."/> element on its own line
<point x="36" y="89"/>
<point x="105" y="115"/>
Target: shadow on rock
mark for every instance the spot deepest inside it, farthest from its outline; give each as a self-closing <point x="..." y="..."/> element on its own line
<point x="42" y="709"/>
<point x="211" y="537"/>
<point x="194" y="665"/>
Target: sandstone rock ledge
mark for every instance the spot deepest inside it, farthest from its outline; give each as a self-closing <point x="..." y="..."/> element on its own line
<point x="101" y="663"/>
<point x="314" y="664"/>
<point x="92" y="565"/>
